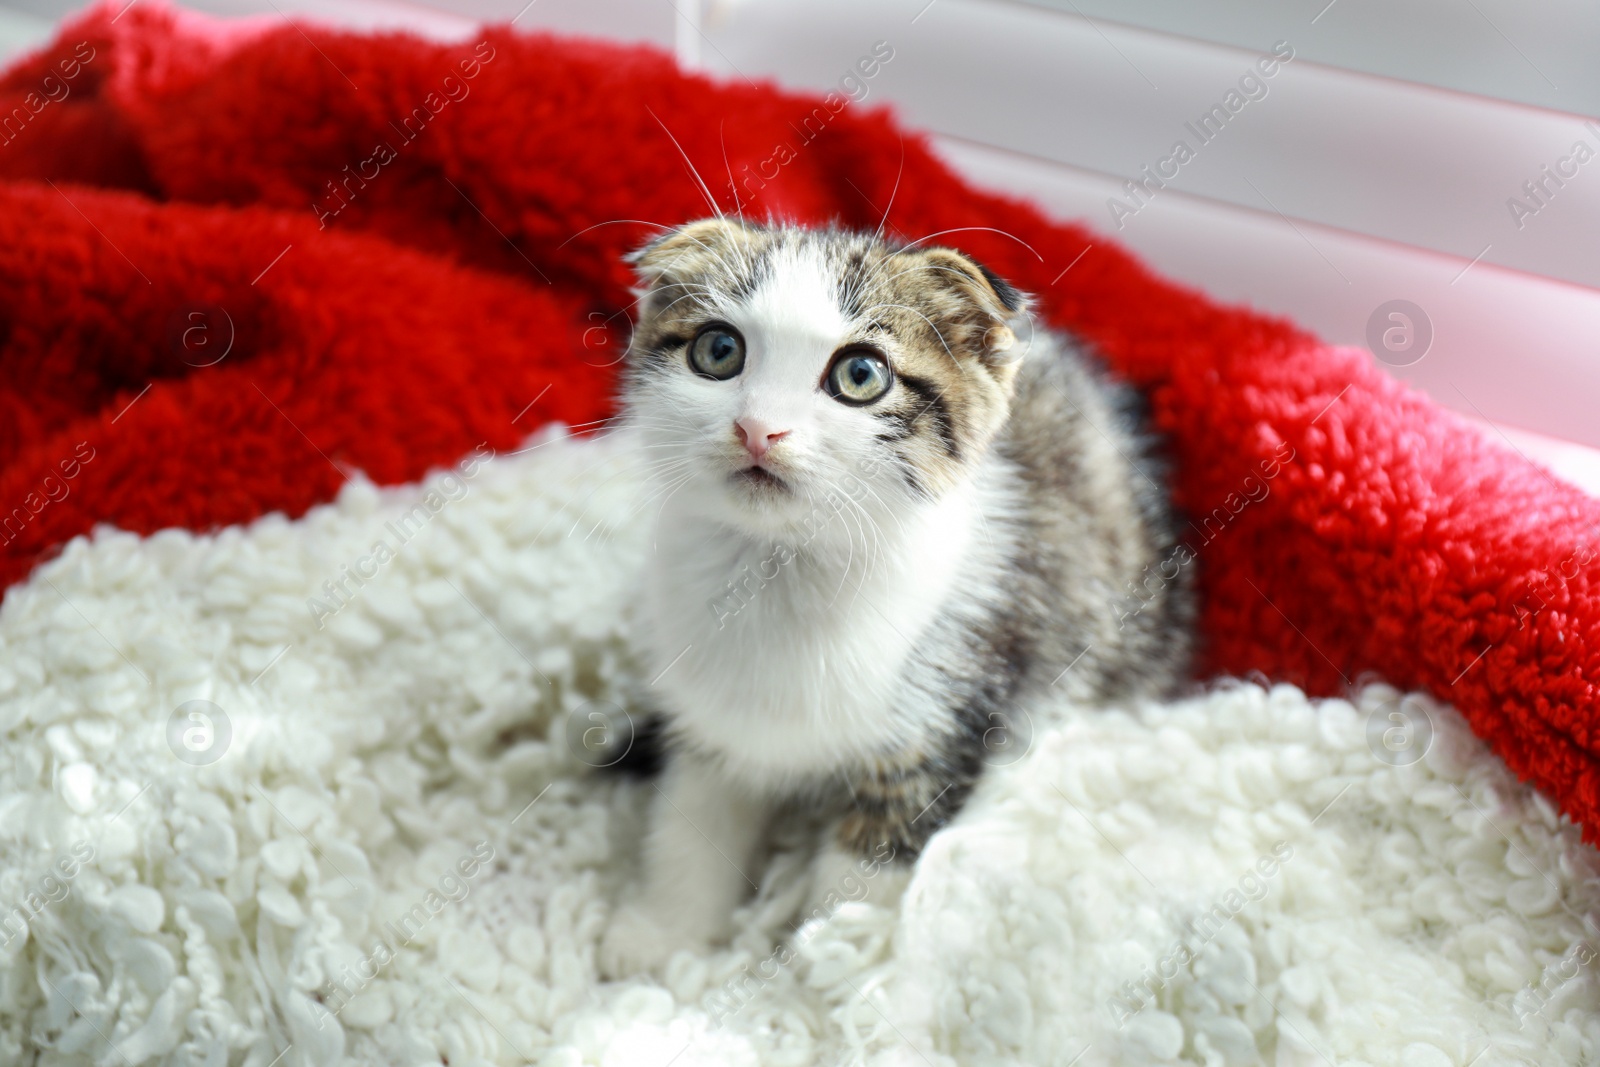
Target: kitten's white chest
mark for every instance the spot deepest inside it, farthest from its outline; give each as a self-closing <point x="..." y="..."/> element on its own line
<point x="797" y="669"/>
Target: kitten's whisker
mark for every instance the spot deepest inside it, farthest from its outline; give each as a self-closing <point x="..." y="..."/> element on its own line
<point x="665" y="472"/>
<point x="875" y="549"/>
<point x="648" y="497"/>
<point x="663" y="445"/>
<point x="983" y="521"/>
<point x="868" y="524"/>
<point x="642" y="431"/>
<point x="986" y="229"/>
<point x="611" y="222"/>
<point x="693" y="426"/>
<point x="741" y="250"/>
<point x="889" y="511"/>
<point x="665" y="466"/>
<point x="622" y="312"/>
<point x="637" y="428"/>
<point x="722" y="139"/>
<point x="689" y="293"/>
<point x="738" y="202"/>
<point x="684" y="481"/>
<point x="705" y="190"/>
<point x="717" y="298"/>
<point x="936" y="331"/>
<point x="867" y="513"/>
<point x="963" y="275"/>
<point x="621" y="471"/>
<point x="871" y="536"/>
<point x="851" y="541"/>
<point x="669" y="474"/>
<point x="577" y="427"/>
<point x="640" y="423"/>
<point x="715" y="303"/>
<point x="893" y="192"/>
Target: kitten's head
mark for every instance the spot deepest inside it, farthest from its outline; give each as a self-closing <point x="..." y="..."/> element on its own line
<point x="772" y="367"/>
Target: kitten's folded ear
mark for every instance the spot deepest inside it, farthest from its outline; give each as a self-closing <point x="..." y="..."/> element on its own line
<point x="1003" y="298"/>
<point x="684" y="249"/>
<point x="992" y="295"/>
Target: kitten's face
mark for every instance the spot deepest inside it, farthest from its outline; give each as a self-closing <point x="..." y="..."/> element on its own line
<point x="773" y="371"/>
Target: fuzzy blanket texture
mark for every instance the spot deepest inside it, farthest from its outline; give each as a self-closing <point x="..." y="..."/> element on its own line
<point x="248" y="269"/>
<point x="380" y="841"/>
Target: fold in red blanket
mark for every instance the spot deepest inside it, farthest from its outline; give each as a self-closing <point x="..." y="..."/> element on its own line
<point x="239" y="261"/>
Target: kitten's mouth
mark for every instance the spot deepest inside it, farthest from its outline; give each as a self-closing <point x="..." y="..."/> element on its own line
<point x="760" y="478"/>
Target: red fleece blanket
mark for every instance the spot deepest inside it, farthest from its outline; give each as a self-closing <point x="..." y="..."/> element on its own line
<point x="240" y="260"/>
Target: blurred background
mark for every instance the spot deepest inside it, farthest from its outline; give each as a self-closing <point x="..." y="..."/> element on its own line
<point x="1419" y="178"/>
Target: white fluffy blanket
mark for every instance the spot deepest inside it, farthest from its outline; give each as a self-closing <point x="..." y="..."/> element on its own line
<point x="375" y="840"/>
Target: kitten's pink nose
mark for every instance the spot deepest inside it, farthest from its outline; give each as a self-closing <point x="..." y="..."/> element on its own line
<point x="756" y="436"/>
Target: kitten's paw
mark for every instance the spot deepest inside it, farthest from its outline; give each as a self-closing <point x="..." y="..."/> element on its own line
<point x="638" y="941"/>
<point x="840" y="876"/>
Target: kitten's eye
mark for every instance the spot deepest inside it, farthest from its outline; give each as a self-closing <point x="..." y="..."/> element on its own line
<point x="859" y="377"/>
<point x="717" y="352"/>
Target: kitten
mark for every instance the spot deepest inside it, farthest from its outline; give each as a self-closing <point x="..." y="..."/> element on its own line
<point x="887" y="523"/>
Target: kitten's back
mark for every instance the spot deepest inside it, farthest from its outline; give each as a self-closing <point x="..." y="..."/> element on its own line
<point x="1098" y="560"/>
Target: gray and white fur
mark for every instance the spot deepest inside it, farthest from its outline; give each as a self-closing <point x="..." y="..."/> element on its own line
<point x="892" y="514"/>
